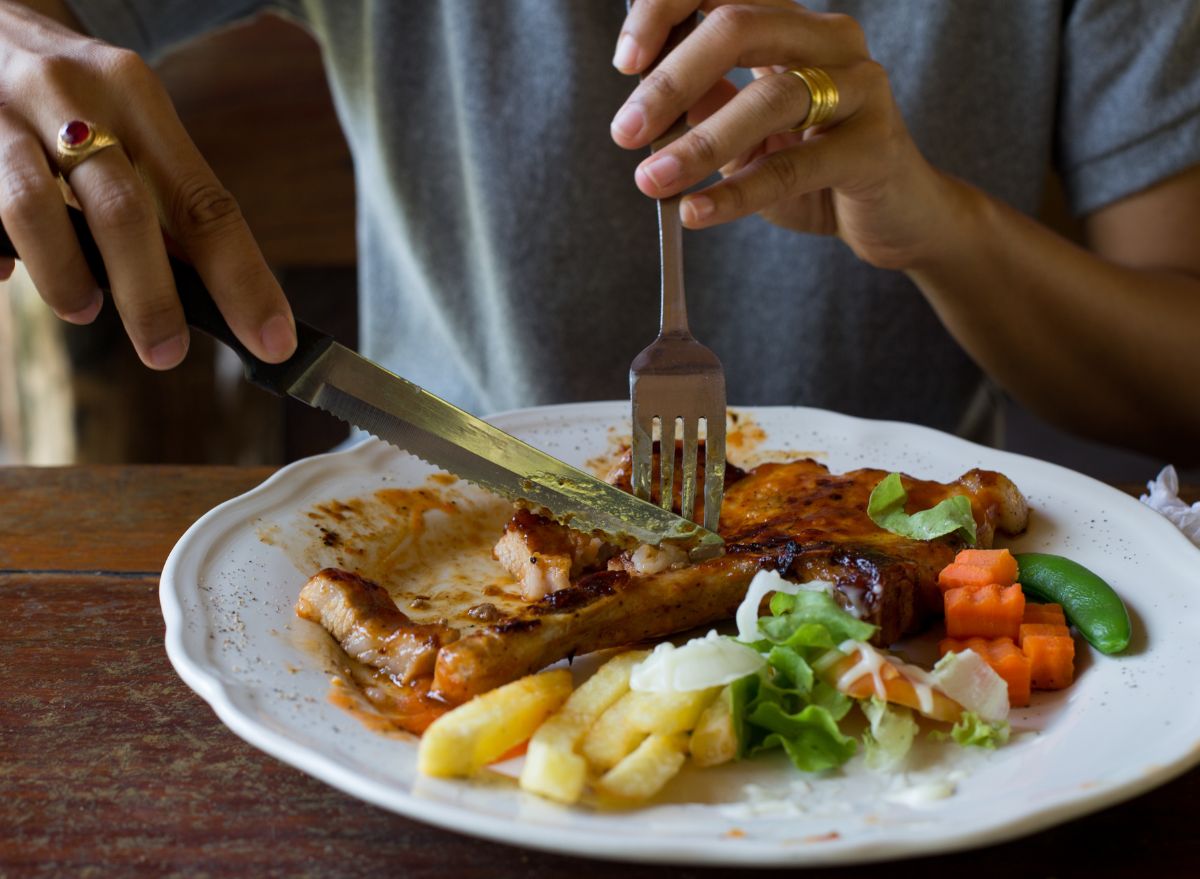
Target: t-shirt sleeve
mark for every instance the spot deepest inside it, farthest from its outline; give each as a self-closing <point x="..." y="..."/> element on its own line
<point x="1129" y="104"/>
<point x="151" y="27"/>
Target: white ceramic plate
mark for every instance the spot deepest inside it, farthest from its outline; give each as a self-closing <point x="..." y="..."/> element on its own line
<point x="1121" y="729"/>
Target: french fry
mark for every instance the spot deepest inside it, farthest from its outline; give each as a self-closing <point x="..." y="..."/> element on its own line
<point x="714" y="740"/>
<point x="669" y="713"/>
<point x="553" y="768"/>
<point x="464" y="740"/>
<point x="621" y="728"/>
<point x="614" y="734"/>
<point x="642" y="774"/>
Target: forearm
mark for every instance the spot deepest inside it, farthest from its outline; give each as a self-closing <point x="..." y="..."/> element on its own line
<point x="1110" y="351"/>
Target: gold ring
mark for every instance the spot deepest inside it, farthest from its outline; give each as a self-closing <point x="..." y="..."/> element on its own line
<point x="78" y="141"/>
<point x="822" y="93"/>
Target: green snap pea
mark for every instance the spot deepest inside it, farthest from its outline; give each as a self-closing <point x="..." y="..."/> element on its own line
<point x="1089" y="603"/>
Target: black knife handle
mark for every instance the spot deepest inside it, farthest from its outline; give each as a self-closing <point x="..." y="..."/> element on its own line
<point x="201" y="312"/>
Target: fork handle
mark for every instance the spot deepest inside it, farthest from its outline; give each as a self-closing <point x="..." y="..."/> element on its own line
<point x="673" y="319"/>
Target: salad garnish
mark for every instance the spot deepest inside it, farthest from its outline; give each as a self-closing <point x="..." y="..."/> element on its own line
<point x="952" y="515"/>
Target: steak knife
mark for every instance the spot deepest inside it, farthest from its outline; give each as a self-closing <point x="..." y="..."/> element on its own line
<point x="329" y="376"/>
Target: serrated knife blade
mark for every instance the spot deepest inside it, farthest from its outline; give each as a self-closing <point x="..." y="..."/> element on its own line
<point x="394" y="409"/>
<point x="329" y="376"/>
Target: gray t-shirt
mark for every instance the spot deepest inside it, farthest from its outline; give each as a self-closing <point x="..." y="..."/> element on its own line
<point x="506" y="258"/>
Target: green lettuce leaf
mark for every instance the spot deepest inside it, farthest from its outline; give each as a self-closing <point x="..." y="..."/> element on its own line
<point x="886" y="509"/>
<point x="784" y="705"/>
<point x="833" y="700"/>
<point x="810" y="737"/>
<point x="973" y="731"/>
<point x="811" y="619"/>
<point x="890" y="734"/>
<point x="792" y="670"/>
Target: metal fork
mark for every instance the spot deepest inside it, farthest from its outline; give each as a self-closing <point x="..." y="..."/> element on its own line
<point x="676" y="378"/>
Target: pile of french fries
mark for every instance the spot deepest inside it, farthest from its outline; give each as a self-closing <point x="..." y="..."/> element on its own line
<point x="625" y="744"/>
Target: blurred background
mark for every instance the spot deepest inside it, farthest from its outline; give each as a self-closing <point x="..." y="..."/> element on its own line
<point x="79" y="395"/>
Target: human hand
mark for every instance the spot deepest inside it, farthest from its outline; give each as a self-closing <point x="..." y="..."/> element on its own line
<point x="858" y="176"/>
<point x="155" y="180"/>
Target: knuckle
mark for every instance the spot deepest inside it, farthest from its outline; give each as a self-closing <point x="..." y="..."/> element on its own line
<point x="730" y="20"/>
<point x="874" y="77"/>
<point x="782" y="173"/>
<point x="123" y="206"/>
<point x="657" y="9"/>
<point x="126" y="67"/>
<point x="734" y="197"/>
<point x="703" y="146"/>
<point x="781" y="97"/>
<point x="665" y="87"/>
<point x="253" y="278"/>
<point x="848" y="31"/>
<point x="203" y="206"/>
<point x="25" y="194"/>
<point x="150" y="319"/>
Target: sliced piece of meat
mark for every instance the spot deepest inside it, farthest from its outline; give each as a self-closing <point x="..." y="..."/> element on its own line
<point x="364" y="620"/>
<point x="544" y="556"/>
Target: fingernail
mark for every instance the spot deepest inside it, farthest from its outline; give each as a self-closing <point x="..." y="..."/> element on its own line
<point x="625" y="58"/>
<point x="697" y="208"/>
<point x="278" y="337"/>
<point x="167" y="354"/>
<point x="630" y="121"/>
<point x="662" y="170"/>
<point x="87" y="314"/>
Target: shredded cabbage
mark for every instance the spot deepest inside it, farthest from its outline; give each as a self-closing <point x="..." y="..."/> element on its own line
<point x="711" y="661"/>
<point x="967" y="679"/>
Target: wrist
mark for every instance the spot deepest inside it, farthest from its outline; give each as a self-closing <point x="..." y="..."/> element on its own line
<point x="961" y="212"/>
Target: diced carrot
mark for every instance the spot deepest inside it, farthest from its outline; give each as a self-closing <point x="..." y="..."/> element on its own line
<point x="1005" y="658"/>
<point x="1000" y="563"/>
<point x="984" y="611"/>
<point x="1042" y="630"/>
<point x="956" y="576"/>
<point x="1044" y="613"/>
<point x="1051" y="656"/>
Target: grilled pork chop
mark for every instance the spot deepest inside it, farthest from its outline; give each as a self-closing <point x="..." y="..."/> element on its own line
<point x="796" y="518"/>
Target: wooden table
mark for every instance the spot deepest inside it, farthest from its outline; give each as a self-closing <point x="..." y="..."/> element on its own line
<point x="111" y="766"/>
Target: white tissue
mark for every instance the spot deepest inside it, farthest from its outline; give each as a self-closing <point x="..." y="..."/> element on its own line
<point x="1164" y="497"/>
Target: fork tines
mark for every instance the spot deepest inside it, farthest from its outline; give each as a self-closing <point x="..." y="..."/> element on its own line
<point x="686" y="455"/>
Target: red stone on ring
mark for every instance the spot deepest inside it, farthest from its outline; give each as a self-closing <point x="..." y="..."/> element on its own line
<point x="75" y="133"/>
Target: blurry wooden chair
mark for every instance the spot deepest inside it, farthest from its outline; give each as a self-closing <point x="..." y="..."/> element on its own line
<point x="70" y="394"/>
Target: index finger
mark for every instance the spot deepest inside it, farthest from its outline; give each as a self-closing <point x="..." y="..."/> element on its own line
<point x="751" y="35"/>
<point x="646" y="26"/>
<point x="644" y="32"/>
<point x="205" y="220"/>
